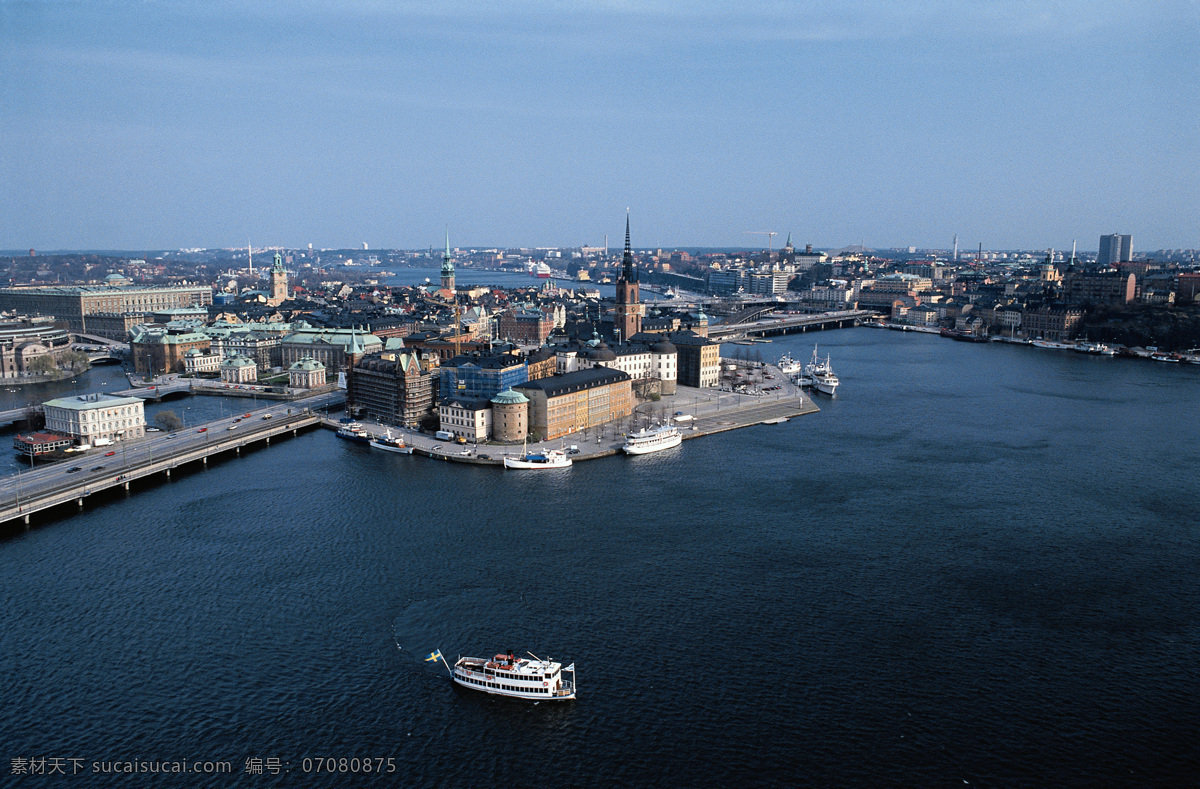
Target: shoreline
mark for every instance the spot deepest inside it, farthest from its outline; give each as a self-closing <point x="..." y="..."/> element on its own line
<point x="711" y="410"/>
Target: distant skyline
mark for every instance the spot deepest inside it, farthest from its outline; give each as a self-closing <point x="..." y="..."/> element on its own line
<point x="179" y="123"/>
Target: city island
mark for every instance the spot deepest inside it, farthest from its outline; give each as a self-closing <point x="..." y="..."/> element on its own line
<point x="531" y="376"/>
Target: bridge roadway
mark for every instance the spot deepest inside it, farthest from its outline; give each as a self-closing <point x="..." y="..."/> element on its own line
<point x="788" y="324"/>
<point x="105" y="468"/>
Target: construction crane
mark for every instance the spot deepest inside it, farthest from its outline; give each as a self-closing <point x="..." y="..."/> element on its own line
<point x="770" y="234"/>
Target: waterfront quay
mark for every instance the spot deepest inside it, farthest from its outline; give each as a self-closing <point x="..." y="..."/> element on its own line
<point x="156" y="456"/>
<point x="704" y="412"/>
<point x="67" y="485"/>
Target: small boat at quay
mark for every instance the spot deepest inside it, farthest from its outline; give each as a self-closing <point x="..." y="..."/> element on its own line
<point x="532" y="679"/>
<point x="652" y="439"/>
<point x="389" y="443"/>
<point x="354" y="432"/>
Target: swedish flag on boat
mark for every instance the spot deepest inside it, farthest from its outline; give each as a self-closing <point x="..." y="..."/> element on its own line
<point x="434" y="655"/>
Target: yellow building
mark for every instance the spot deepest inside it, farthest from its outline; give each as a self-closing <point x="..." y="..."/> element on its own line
<point x="569" y="403"/>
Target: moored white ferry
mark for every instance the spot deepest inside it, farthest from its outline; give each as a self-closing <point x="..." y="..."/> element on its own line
<point x="652" y="439"/>
<point x="353" y="431"/>
<point x="517" y="678"/>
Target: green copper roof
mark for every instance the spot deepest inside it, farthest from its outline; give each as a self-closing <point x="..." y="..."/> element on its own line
<point x="510" y="397"/>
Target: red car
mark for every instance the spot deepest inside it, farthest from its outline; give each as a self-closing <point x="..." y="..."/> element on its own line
<point x="202" y="430"/>
<point x="110" y="454"/>
<point x="245" y="416"/>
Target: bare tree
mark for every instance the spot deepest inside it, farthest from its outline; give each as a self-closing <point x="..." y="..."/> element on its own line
<point x="168" y="420"/>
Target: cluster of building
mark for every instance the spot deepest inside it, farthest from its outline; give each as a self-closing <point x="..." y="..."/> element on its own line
<point x="1045" y="299"/>
<point x="555" y="385"/>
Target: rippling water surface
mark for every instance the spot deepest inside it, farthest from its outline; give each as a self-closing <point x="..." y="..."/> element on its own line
<point x="978" y="564"/>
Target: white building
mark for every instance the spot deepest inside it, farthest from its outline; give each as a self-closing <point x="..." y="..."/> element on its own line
<point x="198" y="361"/>
<point x="307" y="373"/>
<point x="657" y="360"/>
<point x="239" y="370"/>
<point x="471" y="419"/>
<point x="96" y="416"/>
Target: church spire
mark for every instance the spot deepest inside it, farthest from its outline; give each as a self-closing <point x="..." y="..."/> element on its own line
<point x="628" y="271"/>
<point x="447" y="266"/>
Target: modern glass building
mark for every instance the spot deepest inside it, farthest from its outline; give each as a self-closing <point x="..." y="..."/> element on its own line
<point x="482" y="376"/>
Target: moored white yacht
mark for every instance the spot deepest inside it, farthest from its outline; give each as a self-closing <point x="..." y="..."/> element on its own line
<point x="553" y="458"/>
<point x="652" y="439"/>
<point x="820" y="374"/>
<point x="517" y="678"/>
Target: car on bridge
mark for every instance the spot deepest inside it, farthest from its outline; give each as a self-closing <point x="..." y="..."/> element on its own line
<point x="202" y="430"/>
<point x="97" y="468"/>
<point x="110" y="454"/>
<point x="73" y="469"/>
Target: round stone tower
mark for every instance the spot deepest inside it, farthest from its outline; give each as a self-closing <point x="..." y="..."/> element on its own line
<point x="510" y="417"/>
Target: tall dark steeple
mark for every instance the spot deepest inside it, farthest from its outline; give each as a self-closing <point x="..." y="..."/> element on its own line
<point x="629" y="272"/>
<point x="628" y="318"/>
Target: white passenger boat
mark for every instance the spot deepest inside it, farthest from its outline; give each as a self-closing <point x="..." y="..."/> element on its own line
<point x="514" y="677"/>
<point x="354" y="432"/>
<point x="788" y="365"/>
<point x="652" y="439"/>
<point x="553" y="458"/>
<point x="388" y="443"/>
<point x="820" y="374"/>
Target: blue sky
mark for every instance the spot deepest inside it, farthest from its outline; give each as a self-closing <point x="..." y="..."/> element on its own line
<point x="1013" y="123"/>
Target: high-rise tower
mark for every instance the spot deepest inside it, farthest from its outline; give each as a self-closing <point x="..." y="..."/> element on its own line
<point x="447" y="266"/>
<point x="279" y="285"/>
<point x="628" y="318"/>
<point x="1115" y="249"/>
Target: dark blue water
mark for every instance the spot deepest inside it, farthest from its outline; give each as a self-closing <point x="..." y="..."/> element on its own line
<point x="978" y="564"/>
